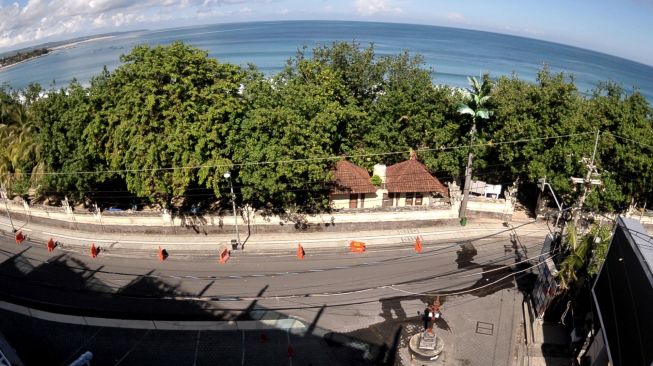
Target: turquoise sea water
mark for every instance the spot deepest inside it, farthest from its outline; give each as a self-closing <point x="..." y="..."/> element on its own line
<point x="451" y="53"/>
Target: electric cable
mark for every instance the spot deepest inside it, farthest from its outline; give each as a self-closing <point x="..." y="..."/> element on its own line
<point x="318" y="186"/>
<point x="630" y="140"/>
<point x="436" y="252"/>
<point x="214" y="298"/>
<point x="287" y="161"/>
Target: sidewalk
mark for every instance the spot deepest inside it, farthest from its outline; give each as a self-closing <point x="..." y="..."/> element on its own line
<point x="544" y="344"/>
<point x="386" y="236"/>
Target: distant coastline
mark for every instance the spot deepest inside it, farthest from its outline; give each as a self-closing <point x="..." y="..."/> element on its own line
<point x="452" y="54"/>
<point x="11" y="59"/>
<point x="19" y="57"/>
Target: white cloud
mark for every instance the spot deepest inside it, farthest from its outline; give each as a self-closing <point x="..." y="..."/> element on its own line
<point x="120" y="19"/>
<point x="40" y="20"/>
<point x="211" y="13"/>
<point x="100" y="20"/>
<point x="371" y="7"/>
<point x="455" y="17"/>
<point x="245" y="11"/>
<point x="283" y="12"/>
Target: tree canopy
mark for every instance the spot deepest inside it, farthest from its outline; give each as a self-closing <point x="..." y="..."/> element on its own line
<point x="169" y="121"/>
<point x="166" y="118"/>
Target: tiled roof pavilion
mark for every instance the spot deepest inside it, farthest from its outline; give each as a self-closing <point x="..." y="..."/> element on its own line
<point x="351" y="179"/>
<point x="412" y="176"/>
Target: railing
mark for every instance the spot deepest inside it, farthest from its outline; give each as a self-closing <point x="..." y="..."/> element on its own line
<point x="47" y="208"/>
<point x="442" y="206"/>
<point x="126" y="213"/>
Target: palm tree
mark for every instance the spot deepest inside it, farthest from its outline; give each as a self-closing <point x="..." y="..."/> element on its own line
<point x="586" y="253"/>
<point x="6" y="130"/>
<point x="18" y="136"/>
<point x="479" y="94"/>
<point x="575" y="260"/>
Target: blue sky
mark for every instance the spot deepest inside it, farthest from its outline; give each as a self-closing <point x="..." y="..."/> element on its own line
<point x="622" y="28"/>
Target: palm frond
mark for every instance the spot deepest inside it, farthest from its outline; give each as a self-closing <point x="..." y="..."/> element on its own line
<point x="483" y="113"/>
<point x="465" y="109"/>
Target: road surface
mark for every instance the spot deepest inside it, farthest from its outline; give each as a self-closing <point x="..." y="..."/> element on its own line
<point x="332" y="289"/>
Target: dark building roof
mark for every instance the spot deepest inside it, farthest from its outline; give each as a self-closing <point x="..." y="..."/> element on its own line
<point x="623" y="294"/>
<point x="412" y="176"/>
<point x="351" y="178"/>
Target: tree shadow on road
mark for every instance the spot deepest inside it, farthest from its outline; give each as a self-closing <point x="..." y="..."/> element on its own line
<point x="64" y="284"/>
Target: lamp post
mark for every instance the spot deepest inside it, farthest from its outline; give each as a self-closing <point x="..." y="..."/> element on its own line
<point x="3" y="194"/>
<point x="227" y="176"/>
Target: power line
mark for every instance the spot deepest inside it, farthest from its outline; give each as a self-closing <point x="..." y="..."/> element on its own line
<point x="454" y="274"/>
<point x="431" y="293"/>
<point x="309" y="187"/>
<point x="207" y="192"/>
<point x="631" y="140"/>
<point x="289" y="161"/>
<point x="483" y="172"/>
<point x="305" y="295"/>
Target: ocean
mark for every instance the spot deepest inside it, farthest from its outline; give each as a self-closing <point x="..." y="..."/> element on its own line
<point x="452" y="54"/>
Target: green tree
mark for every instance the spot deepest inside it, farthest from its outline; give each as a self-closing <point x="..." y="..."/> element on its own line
<point x="625" y="152"/>
<point x="63" y="117"/>
<point x="534" y="113"/>
<point x="21" y="159"/>
<point x="170" y="119"/>
<point x="165" y="118"/>
<point x="361" y="71"/>
<point x="412" y="113"/>
<point x="294" y="121"/>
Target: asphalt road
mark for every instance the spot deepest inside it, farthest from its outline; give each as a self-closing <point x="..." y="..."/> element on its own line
<point x="345" y="289"/>
<point x="365" y="296"/>
<point x="40" y="342"/>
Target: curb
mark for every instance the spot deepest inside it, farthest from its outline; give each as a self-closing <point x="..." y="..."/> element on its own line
<point x="189" y="244"/>
<point x="288" y="324"/>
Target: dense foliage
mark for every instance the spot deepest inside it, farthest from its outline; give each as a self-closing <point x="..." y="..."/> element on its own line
<point x="584" y="254"/>
<point x="165" y="125"/>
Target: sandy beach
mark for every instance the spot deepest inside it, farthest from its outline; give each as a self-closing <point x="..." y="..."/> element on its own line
<point x="74" y="44"/>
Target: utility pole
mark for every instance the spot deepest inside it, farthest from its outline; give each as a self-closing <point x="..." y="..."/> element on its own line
<point x="227" y="176"/>
<point x="588" y="182"/>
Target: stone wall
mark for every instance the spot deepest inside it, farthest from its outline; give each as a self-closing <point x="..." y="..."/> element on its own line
<point x="253" y="221"/>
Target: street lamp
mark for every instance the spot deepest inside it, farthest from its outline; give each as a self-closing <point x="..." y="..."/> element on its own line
<point x="3" y="194"/>
<point x="227" y="176"/>
<point x="543" y="184"/>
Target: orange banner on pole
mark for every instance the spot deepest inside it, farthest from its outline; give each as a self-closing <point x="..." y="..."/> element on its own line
<point x="418" y="244"/>
<point x="19" y="237"/>
<point x="51" y="245"/>
<point x="224" y="255"/>
<point x="356" y="246"/>
<point x="163" y="254"/>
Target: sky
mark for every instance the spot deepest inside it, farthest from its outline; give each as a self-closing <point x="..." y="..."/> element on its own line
<point x="621" y="28"/>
